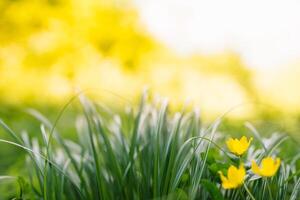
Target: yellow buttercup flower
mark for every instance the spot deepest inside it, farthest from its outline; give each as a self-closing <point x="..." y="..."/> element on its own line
<point x="268" y="167"/>
<point x="235" y="177"/>
<point x="238" y="146"/>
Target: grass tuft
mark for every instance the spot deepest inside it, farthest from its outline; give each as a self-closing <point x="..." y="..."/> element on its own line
<point x="146" y="153"/>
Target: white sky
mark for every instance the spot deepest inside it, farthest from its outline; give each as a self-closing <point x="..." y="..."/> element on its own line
<point x="265" y="32"/>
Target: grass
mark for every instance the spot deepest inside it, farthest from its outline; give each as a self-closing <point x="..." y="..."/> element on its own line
<point x="143" y="153"/>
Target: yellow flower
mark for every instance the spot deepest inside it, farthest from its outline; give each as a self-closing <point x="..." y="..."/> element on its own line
<point x="235" y="177"/>
<point x="268" y="167"/>
<point x="238" y="146"/>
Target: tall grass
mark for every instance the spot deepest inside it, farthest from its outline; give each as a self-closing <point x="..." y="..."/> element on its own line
<point x="143" y="153"/>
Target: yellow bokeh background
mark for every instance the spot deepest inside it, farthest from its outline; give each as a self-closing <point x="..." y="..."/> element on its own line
<point x="51" y="48"/>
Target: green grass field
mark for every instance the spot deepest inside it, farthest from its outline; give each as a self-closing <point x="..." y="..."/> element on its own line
<point x="145" y="152"/>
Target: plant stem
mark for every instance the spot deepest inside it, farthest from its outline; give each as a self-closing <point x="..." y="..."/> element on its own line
<point x="240" y="191"/>
<point x="269" y="189"/>
<point x="248" y="191"/>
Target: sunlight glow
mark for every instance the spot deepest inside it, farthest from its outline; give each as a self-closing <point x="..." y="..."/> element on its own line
<point x="265" y="33"/>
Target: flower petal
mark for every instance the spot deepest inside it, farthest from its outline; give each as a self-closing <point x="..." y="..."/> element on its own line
<point x="255" y="169"/>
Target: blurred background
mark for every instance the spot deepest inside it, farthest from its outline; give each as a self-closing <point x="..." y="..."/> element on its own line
<point x="218" y="55"/>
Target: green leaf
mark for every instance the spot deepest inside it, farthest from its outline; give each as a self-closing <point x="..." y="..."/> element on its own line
<point x="215" y="167"/>
<point x="212" y="189"/>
